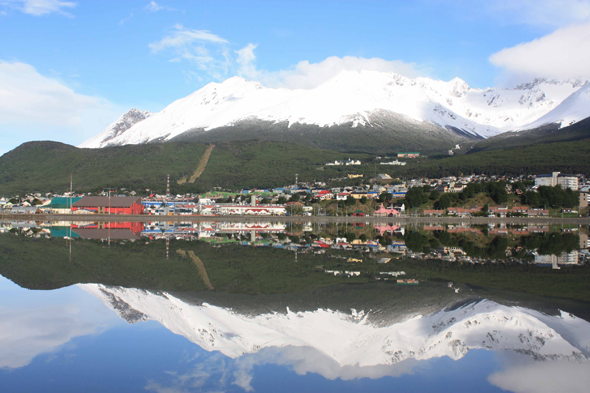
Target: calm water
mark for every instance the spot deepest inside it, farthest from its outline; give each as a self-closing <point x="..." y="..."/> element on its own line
<point x="269" y="307"/>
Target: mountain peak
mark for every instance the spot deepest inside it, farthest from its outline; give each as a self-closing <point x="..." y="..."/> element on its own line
<point x="118" y="127"/>
<point x="349" y="99"/>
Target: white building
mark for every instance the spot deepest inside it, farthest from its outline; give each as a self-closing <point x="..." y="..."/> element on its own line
<point x="568" y="181"/>
<point x="557" y="179"/>
<point x="265" y="210"/>
<point x="565" y="258"/>
<point x="394" y="162"/>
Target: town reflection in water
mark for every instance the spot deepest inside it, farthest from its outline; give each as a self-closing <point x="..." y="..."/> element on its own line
<point x="349" y="302"/>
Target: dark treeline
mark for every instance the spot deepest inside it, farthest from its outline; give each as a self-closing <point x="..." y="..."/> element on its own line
<point x="544" y="244"/>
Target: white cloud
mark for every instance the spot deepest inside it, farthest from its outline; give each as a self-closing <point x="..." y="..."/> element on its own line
<point x="155" y="7"/>
<point x="306" y="75"/>
<point x="564" y="53"/>
<point x="304" y="360"/>
<point x="246" y="61"/>
<point x="203" y="49"/>
<point x="211" y="54"/>
<point x="41" y="7"/>
<point x="27" y="333"/>
<point x="218" y="373"/>
<point x="544" y="377"/>
<point x="33" y="106"/>
<point x="182" y="38"/>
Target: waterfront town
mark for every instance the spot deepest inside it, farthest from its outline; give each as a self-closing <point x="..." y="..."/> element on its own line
<point x="503" y="197"/>
<point x="543" y="195"/>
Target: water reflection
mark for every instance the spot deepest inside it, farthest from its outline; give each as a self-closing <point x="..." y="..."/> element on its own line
<point x="345" y="302"/>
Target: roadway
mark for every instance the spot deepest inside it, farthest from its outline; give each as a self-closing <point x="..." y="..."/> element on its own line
<point x="314" y="219"/>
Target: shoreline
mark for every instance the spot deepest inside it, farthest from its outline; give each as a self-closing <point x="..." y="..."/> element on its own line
<point x="287" y="219"/>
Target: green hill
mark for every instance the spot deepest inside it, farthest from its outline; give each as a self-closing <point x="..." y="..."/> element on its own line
<point x="546" y="134"/>
<point x="46" y="166"/>
<point x="566" y="157"/>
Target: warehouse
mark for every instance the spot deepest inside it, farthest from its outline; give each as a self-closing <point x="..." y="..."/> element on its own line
<point x="109" y="205"/>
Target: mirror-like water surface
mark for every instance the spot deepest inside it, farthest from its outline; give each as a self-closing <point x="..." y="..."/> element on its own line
<point x="245" y="306"/>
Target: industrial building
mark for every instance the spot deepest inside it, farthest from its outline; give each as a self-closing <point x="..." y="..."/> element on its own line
<point x="109" y="205"/>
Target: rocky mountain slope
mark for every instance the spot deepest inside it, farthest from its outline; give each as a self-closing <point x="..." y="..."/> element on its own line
<point x="360" y="101"/>
<point x="351" y="338"/>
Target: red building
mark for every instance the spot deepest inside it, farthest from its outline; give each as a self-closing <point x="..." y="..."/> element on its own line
<point x="135" y="227"/>
<point x="112" y="205"/>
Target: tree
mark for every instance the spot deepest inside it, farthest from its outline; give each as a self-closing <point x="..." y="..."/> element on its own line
<point x="364" y="200"/>
<point x="433" y="195"/>
<point x="444" y="201"/>
<point x="384" y="196"/>
<point x="363" y="237"/>
<point x="350" y="237"/>
<point x="415" y="241"/>
<point x="415" y="197"/>
<point x="282" y="200"/>
<point x="295" y="198"/>
<point x="497" y="191"/>
<point x="350" y="201"/>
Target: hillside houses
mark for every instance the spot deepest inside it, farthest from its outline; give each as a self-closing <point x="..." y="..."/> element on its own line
<point x="347" y="162"/>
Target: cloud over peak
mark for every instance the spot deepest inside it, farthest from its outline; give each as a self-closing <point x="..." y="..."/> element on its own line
<point x="563" y="54"/>
<point x="40" y="7"/>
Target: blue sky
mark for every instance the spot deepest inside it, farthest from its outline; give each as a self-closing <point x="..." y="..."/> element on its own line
<point x="69" y="68"/>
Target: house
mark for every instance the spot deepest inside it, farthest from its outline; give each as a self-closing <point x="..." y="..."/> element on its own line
<point x="324" y="195"/>
<point x="459" y="211"/>
<point x="383" y="177"/>
<point x="538" y="212"/>
<point x="24" y="210"/>
<point x="385" y="212"/>
<point x="352" y="162"/>
<point x="358" y="213"/>
<point x="266" y="210"/>
<point x="400" y="207"/>
<point x="395" y="162"/>
<point x="359" y="194"/>
<point x="520" y="210"/>
<point x="398" y="195"/>
<point x="106" y="233"/>
<point x="453" y="188"/>
<point x="499" y="210"/>
<point x="408" y="155"/>
<point x="62" y="205"/>
<point x="388" y="228"/>
<point x="341" y="196"/>
<point x="434" y="212"/>
<point x="112" y="205"/>
<point x="207" y="208"/>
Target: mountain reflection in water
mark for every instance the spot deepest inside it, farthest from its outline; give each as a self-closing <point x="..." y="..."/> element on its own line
<point x="346" y="302"/>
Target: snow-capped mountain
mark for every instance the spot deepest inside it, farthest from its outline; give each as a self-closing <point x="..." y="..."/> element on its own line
<point x="356" y="99"/>
<point x="122" y="124"/>
<point x="352" y="339"/>
<point x="574" y="108"/>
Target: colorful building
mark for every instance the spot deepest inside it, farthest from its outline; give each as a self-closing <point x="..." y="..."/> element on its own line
<point x="112" y="205"/>
<point x="385" y="212"/>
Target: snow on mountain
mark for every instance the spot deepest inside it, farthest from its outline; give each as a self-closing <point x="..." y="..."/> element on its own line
<point x="351" y="339"/>
<point x="350" y="97"/>
<point x="573" y="109"/>
<point x="122" y="124"/>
